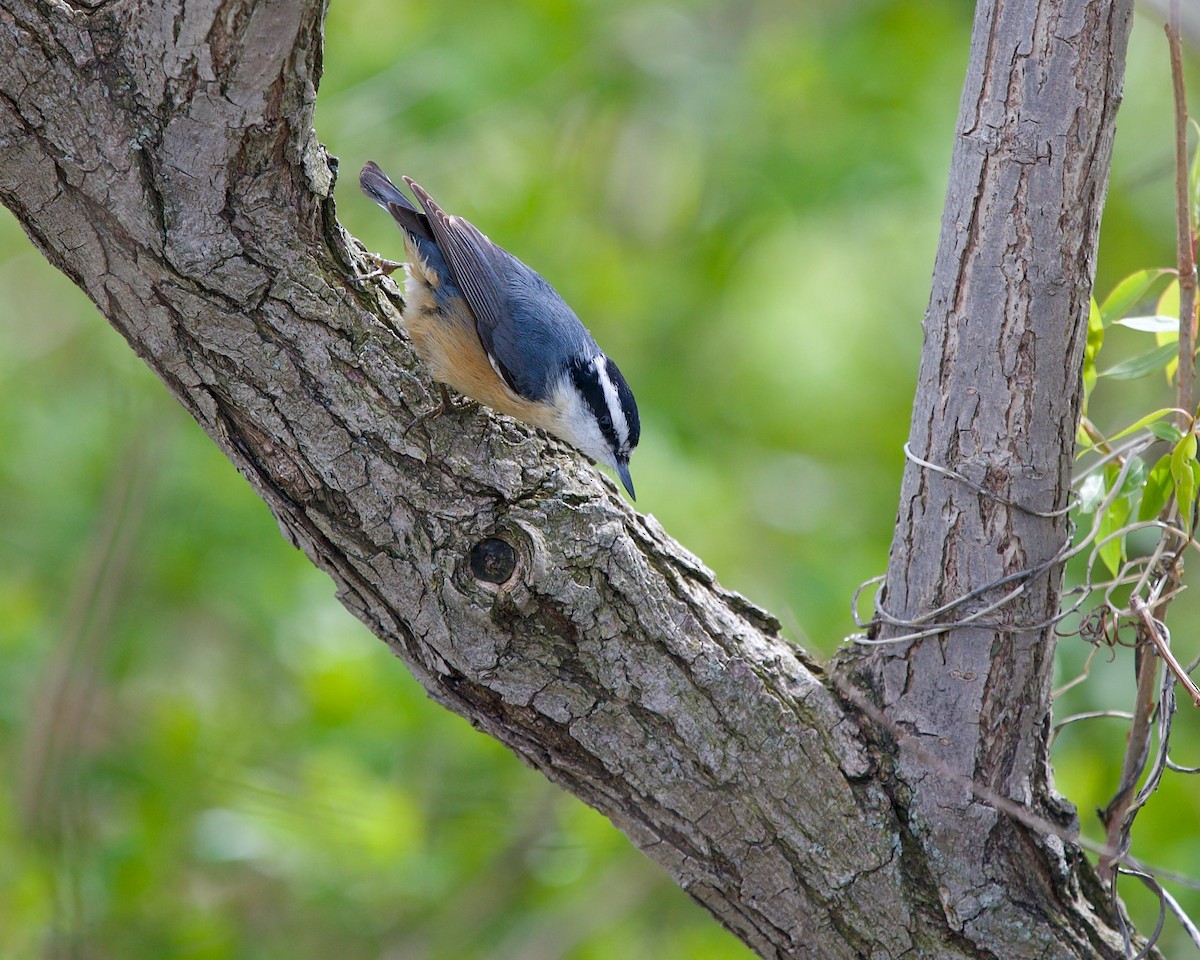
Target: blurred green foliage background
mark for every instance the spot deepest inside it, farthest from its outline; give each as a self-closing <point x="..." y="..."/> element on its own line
<point x="205" y="756"/>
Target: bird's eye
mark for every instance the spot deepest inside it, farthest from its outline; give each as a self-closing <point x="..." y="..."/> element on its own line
<point x="606" y="423"/>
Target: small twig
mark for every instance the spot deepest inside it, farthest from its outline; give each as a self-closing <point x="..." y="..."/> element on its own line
<point x="1155" y="631"/>
<point x="1181" y="915"/>
<point x="1109" y="453"/>
<point x="1089" y="715"/>
<point x="1153" y="885"/>
<point x="1092" y="715"/>
<point x="1154" y="562"/>
<point x="1124" y="805"/>
<point x="1137" y="752"/>
<point x="1183" y="224"/>
<point x="984" y="491"/>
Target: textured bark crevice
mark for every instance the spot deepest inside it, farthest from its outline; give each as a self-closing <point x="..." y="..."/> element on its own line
<point x="162" y="155"/>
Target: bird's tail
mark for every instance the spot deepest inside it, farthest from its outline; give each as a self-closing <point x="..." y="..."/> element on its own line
<point x="376" y="185"/>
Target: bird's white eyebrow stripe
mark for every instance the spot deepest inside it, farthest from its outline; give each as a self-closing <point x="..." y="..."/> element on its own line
<point x="620" y="424"/>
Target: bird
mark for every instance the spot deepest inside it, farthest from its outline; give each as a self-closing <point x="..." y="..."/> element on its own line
<point x="496" y="331"/>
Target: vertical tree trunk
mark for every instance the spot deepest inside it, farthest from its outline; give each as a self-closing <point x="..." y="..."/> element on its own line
<point x="998" y="403"/>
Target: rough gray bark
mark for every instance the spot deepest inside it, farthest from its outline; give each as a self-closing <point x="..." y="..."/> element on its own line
<point x="162" y="155"/>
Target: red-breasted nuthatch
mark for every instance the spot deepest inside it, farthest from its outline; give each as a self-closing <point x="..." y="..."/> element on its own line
<point x="493" y="329"/>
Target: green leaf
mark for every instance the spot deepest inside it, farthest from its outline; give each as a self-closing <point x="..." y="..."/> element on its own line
<point x="1156" y="489"/>
<point x="1083" y="443"/>
<point x="1165" y="430"/>
<point x="1168" y="306"/>
<point x="1155" y="323"/>
<point x="1183" y="454"/>
<point x="1135" y="476"/>
<point x="1115" y="517"/>
<point x="1185" y="495"/>
<point x="1190" y="513"/>
<point x="1143" y="364"/>
<point x="1092" y="492"/>
<point x="1183" y="472"/>
<point x="1147" y="421"/>
<point x="1126" y="294"/>
<point x="1168" y="303"/>
<point x="1095" y="339"/>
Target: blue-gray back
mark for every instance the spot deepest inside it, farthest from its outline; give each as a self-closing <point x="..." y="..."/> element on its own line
<point x="524" y="325"/>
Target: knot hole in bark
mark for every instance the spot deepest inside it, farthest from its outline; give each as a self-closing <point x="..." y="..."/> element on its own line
<point x="493" y="560"/>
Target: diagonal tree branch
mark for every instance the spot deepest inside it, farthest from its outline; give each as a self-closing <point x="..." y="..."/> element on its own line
<point x="162" y="155"/>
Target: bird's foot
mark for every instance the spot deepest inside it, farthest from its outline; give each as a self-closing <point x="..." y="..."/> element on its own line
<point x="446" y="406"/>
<point x="382" y="268"/>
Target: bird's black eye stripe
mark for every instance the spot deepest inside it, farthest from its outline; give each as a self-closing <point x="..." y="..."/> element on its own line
<point x="628" y="404"/>
<point x="588" y="384"/>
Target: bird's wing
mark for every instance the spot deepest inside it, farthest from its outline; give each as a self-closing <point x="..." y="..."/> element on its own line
<point x="476" y="264"/>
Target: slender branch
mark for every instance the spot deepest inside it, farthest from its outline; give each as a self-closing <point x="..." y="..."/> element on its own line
<point x="1118" y="814"/>
<point x="1185" y="241"/>
<point x="1164" y="650"/>
<point x="1137" y="753"/>
<point x="1189" y="17"/>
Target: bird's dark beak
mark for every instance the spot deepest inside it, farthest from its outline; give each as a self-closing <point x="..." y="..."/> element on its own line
<point x="623" y="473"/>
